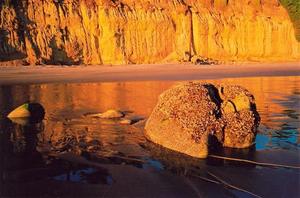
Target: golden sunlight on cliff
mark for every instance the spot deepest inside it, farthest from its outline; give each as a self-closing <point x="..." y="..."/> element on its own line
<point x="157" y="31"/>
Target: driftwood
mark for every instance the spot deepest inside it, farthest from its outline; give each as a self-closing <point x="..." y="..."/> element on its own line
<point x="232" y="186"/>
<point x="254" y="162"/>
<point x="220" y="181"/>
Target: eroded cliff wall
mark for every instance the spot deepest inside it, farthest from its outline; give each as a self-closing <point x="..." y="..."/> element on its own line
<point x="128" y="31"/>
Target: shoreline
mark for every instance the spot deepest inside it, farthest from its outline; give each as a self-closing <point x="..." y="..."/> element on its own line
<point x="144" y="72"/>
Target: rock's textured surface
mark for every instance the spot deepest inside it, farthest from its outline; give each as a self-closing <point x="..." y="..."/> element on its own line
<point x="239" y="115"/>
<point x="188" y="115"/>
<point x="127" y="31"/>
<point x="182" y="119"/>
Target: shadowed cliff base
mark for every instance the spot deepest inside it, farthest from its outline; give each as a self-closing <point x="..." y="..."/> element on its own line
<point x="142" y="32"/>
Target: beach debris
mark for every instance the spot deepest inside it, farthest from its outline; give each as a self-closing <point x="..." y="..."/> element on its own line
<point x="32" y="110"/>
<point x="199" y="60"/>
<point x="109" y="114"/>
<point x="189" y="114"/>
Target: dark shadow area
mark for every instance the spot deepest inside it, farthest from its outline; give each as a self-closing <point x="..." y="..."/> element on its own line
<point x="18" y="147"/>
<point x="37" y="112"/>
<point x="8" y="52"/>
<point x="59" y="56"/>
<point x="25" y="25"/>
<point x="247" y="153"/>
<point x="23" y="31"/>
<point x="215" y="97"/>
<point x="173" y="161"/>
<point x="22" y="163"/>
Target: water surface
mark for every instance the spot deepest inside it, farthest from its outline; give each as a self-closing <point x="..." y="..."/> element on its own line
<point x="68" y="149"/>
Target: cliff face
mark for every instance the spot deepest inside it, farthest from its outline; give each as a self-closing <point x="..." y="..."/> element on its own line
<point x="127" y="31"/>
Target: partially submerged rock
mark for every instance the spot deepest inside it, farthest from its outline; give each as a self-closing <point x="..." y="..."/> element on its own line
<point x="126" y="121"/>
<point x="181" y="119"/>
<point x="28" y="110"/>
<point x="131" y="120"/>
<point x="189" y="114"/>
<point x="116" y="117"/>
<point x="112" y="114"/>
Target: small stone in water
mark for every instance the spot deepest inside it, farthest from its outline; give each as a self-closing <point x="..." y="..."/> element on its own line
<point x="109" y="114"/>
<point x="126" y="121"/>
<point x="26" y="110"/>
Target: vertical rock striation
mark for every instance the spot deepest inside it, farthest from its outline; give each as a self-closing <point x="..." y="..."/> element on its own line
<point x="156" y="31"/>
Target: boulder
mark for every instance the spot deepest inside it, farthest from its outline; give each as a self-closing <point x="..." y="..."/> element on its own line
<point x="188" y="115"/>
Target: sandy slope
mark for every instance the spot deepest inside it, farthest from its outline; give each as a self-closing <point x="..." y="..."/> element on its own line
<point x="51" y="74"/>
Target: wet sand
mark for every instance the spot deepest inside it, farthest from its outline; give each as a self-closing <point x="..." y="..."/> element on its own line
<point x="55" y="74"/>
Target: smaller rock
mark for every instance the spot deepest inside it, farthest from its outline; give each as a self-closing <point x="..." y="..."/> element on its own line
<point x="109" y="114"/>
<point x="126" y="121"/>
<point x="112" y="114"/>
<point x="20" y="112"/>
<point x="32" y="110"/>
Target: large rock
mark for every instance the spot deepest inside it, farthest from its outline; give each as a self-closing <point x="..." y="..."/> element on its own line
<point x="187" y="116"/>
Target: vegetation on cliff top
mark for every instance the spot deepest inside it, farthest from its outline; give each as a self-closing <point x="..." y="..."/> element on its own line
<point x="293" y="8"/>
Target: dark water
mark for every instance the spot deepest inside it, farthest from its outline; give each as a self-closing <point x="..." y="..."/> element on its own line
<point x="95" y="157"/>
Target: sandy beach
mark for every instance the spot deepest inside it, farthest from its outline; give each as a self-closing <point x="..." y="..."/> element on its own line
<point x="56" y="74"/>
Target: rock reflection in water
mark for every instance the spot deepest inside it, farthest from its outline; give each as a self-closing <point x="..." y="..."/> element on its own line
<point x="68" y="147"/>
<point x="25" y="157"/>
<point x="19" y="148"/>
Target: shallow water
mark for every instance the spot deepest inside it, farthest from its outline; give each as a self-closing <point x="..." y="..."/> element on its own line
<point x="70" y="148"/>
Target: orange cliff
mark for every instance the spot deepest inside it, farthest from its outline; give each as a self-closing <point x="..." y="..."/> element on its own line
<point x="141" y="31"/>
